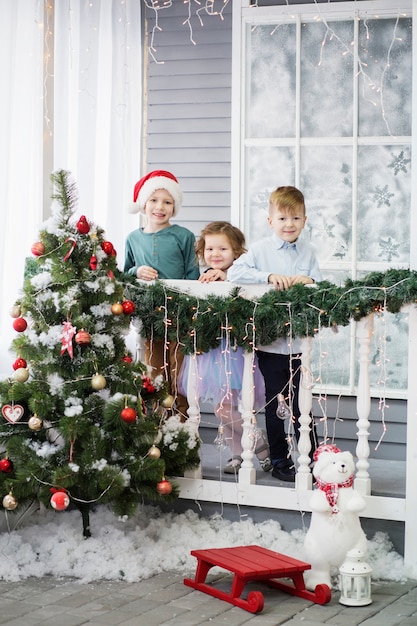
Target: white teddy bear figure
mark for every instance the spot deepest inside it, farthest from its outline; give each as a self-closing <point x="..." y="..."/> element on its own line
<point x="335" y="525"/>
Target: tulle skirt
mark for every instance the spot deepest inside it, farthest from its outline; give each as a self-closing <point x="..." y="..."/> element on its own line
<point x="219" y="374"/>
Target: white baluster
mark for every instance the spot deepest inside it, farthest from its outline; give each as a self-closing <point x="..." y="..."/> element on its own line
<point x="364" y="331"/>
<point x="193" y="407"/>
<point x="304" y="479"/>
<point x="247" y="472"/>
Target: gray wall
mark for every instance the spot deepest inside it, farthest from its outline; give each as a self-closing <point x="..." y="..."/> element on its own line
<point x="188" y="131"/>
<point x="188" y="128"/>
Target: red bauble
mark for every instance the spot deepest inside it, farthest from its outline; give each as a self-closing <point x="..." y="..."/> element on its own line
<point x="60" y="501"/>
<point x="107" y="247"/>
<point x="38" y="249"/>
<point x="83" y="338"/>
<point x="164" y="487"/>
<point x="19" y="363"/>
<point x="20" y="324"/>
<point x="128" y="307"/>
<point x="93" y="262"/>
<point x="6" y="466"/>
<point x="128" y="415"/>
<point x="117" y="308"/>
<point x="127" y="359"/>
<point x="83" y="226"/>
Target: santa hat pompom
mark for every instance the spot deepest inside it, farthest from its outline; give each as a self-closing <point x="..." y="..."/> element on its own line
<point x="324" y="447"/>
<point x="146" y="186"/>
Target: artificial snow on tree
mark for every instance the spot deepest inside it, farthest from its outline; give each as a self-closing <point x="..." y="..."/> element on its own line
<point x="81" y="419"/>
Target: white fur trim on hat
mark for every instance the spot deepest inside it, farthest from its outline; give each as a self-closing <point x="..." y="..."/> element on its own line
<point x="146" y="186"/>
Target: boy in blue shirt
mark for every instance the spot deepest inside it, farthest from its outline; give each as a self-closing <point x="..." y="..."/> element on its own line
<point x="282" y="261"/>
<point x="161" y="250"/>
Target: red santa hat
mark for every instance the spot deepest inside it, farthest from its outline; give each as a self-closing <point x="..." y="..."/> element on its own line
<point x="324" y="447"/>
<point x="146" y="186"/>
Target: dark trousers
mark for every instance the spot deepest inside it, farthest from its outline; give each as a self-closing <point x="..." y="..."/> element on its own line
<point x="279" y="372"/>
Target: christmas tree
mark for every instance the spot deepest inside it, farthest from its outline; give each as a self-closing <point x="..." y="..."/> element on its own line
<point x="83" y="424"/>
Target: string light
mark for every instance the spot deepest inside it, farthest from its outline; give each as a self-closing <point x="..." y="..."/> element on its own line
<point x="255" y="434"/>
<point x="188" y="22"/>
<point x="350" y="49"/>
<point x="397" y="288"/>
<point x="382" y="379"/>
<point x="208" y="7"/>
<point x="283" y="410"/>
<point x="47" y="75"/>
<point x="220" y="442"/>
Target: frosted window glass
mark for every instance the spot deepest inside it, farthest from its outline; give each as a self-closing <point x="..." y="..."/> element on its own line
<point x="330" y="357"/>
<point x="272" y="95"/>
<point x="384" y="197"/>
<point x="385" y="56"/>
<point x="267" y="168"/>
<point x="326" y="79"/>
<point x="388" y="353"/>
<point x="326" y="178"/>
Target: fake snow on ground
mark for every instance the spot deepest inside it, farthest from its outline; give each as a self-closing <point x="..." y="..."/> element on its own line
<point x="151" y="542"/>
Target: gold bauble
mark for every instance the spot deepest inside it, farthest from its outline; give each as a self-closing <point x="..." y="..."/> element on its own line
<point x="21" y="374"/>
<point x="154" y="452"/>
<point x="168" y="402"/>
<point x="9" y="502"/>
<point x="117" y="308"/>
<point x="35" y="423"/>
<point x="98" y="382"/>
<point x="15" y="311"/>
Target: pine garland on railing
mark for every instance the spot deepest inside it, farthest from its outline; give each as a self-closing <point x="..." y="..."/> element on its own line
<point x="299" y="311"/>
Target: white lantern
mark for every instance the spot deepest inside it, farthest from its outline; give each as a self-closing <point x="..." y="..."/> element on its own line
<point x="355" y="580"/>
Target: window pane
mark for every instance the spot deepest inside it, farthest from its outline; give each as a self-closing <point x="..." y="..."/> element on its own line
<point x="330" y="357"/>
<point x="271" y="83"/>
<point x="385" y="53"/>
<point x="326" y="181"/>
<point x="388" y="369"/>
<point x="267" y="168"/>
<point x="384" y="197"/>
<point x="326" y="79"/>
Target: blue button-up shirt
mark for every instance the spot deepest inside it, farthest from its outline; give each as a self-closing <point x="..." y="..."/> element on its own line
<point x="272" y="255"/>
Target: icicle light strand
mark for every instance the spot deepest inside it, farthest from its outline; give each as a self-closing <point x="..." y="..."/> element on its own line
<point x="208" y="8"/>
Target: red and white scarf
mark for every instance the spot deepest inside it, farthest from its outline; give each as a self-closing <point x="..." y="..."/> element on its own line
<point x="332" y="491"/>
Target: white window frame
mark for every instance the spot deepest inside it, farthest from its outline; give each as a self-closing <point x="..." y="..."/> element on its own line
<point x="243" y="15"/>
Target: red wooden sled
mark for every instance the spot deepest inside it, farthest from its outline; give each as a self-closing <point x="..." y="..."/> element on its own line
<point x="249" y="563"/>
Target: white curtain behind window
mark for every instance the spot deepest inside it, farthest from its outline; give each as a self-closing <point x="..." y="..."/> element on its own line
<point x="21" y="103"/>
<point x="97" y="107"/>
<point x="71" y="99"/>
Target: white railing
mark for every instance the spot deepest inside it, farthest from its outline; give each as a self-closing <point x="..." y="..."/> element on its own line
<point x="245" y="491"/>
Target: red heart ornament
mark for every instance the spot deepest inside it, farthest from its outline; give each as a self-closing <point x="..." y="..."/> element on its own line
<point x="12" y="413"/>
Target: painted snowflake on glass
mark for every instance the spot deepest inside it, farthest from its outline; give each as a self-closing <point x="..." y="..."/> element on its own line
<point x="261" y="200"/>
<point x="399" y="163"/>
<point x="382" y="196"/>
<point x="341" y="251"/>
<point x="389" y="249"/>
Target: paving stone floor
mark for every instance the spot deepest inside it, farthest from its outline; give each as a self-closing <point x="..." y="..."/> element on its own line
<point x="164" y="600"/>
